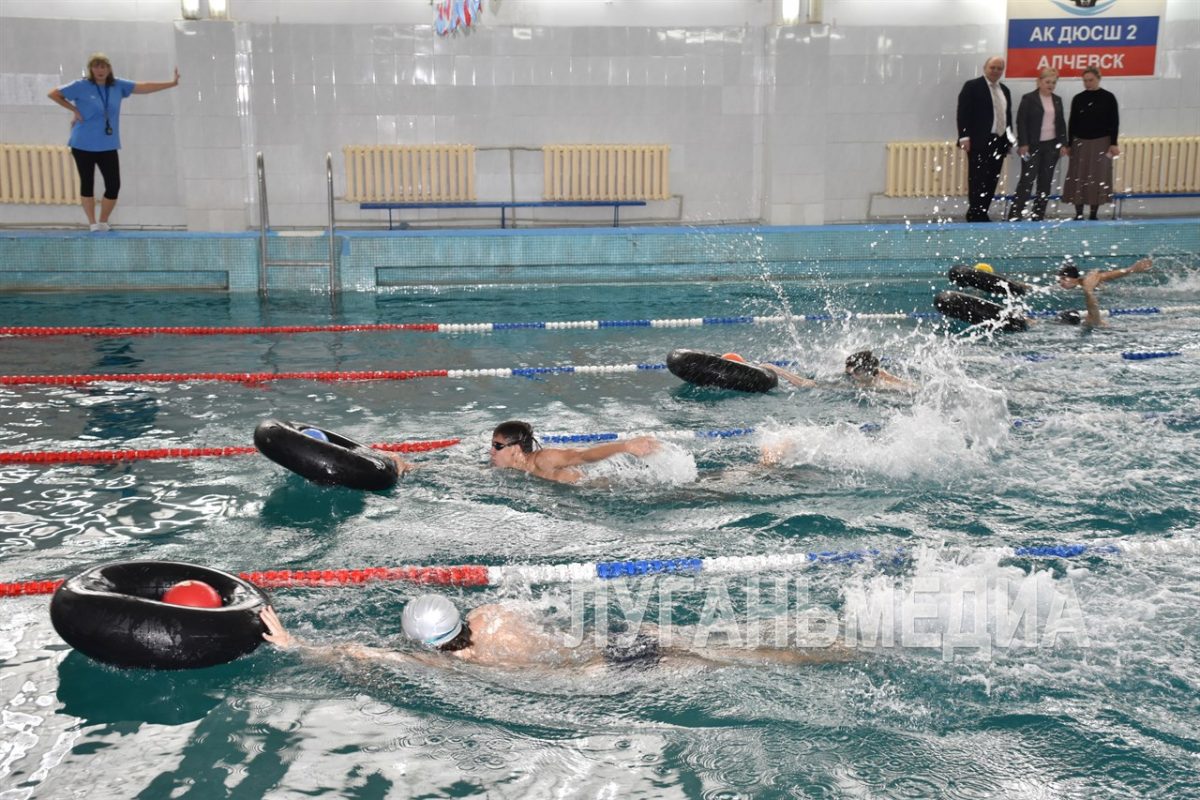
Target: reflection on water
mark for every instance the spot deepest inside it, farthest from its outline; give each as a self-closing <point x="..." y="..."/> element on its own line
<point x="296" y="503"/>
<point x="102" y="695"/>
<point x="1107" y="451"/>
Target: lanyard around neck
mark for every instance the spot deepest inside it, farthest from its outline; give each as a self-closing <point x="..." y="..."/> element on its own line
<point x="103" y="98"/>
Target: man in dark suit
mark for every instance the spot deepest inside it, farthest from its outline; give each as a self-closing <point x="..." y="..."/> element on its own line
<point x="984" y="119"/>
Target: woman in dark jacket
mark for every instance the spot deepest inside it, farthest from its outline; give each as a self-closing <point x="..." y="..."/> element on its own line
<point x="1041" y="138"/>
<point x="1093" y="137"/>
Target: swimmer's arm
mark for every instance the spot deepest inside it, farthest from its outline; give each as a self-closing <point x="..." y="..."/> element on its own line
<point x="1140" y="266"/>
<point x="277" y="635"/>
<point x="790" y="377"/>
<point x="1093" y="318"/>
<point x="894" y="383"/>
<point x="559" y="458"/>
<point x="358" y="652"/>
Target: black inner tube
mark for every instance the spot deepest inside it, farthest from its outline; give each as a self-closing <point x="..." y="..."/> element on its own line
<point x="113" y="614"/>
<point x="338" y="461"/>
<point x="970" y="277"/>
<point x="973" y="310"/>
<point x="708" y="369"/>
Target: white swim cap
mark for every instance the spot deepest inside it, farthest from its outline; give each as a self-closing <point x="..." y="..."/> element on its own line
<point x="431" y="619"/>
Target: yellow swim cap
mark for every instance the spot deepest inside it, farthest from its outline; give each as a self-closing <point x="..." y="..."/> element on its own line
<point x="982" y="267"/>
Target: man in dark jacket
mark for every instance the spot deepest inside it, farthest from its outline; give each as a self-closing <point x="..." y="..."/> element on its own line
<point x="984" y="121"/>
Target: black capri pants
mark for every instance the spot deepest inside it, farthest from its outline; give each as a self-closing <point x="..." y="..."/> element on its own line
<point x="86" y="162"/>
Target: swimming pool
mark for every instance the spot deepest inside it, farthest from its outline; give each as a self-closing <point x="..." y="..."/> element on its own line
<point x="1091" y="693"/>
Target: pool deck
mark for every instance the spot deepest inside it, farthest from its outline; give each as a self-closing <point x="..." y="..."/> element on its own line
<point x="381" y="260"/>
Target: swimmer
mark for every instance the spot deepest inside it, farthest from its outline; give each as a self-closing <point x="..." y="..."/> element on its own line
<point x="1069" y="277"/>
<point x="862" y="370"/>
<point x="515" y="447"/>
<point x="494" y="635"/>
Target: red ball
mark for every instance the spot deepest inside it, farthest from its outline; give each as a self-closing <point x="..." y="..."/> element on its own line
<point x="192" y="593"/>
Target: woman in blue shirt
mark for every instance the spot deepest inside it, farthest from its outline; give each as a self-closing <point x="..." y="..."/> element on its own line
<point x="96" y="130"/>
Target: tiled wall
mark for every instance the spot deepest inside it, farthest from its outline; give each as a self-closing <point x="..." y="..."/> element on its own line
<point x="378" y="260"/>
<point x="780" y="124"/>
<point x="37" y="55"/>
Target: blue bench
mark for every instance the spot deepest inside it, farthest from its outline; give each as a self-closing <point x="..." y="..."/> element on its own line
<point x="504" y="205"/>
<point x="1118" y="197"/>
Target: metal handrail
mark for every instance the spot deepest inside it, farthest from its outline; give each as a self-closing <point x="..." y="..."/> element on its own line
<point x="264" y="224"/>
<point x="334" y="280"/>
<point x="264" y="229"/>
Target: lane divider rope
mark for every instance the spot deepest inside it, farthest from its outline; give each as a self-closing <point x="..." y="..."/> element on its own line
<point x="1036" y="357"/>
<point x="447" y="327"/>
<point x="1166" y="417"/>
<point x="252" y="378"/>
<point x="490" y="327"/>
<point x="479" y="575"/>
<point x="151" y="454"/>
<point x="205" y="330"/>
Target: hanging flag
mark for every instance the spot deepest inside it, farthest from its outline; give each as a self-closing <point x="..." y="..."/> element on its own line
<point x="455" y="14"/>
<point x="1118" y="36"/>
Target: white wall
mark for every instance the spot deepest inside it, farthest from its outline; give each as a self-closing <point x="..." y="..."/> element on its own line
<point x="783" y="124"/>
<point x="571" y="13"/>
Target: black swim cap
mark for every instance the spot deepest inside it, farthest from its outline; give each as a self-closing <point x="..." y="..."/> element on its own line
<point x="862" y="361"/>
<point x="517" y="432"/>
<point x="1068" y="269"/>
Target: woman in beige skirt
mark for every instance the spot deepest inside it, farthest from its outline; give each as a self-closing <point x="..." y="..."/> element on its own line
<point x="1092" y="132"/>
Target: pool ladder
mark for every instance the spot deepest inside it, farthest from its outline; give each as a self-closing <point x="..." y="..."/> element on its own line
<point x="264" y="231"/>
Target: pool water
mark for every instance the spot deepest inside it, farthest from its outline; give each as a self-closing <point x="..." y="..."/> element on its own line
<point x="972" y="672"/>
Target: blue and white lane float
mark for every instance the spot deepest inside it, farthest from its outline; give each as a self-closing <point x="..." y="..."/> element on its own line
<point x="529" y="574"/>
<point x="700" y="322"/>
<point x="426" y="374"/>
<point x="688" y="322"/>
<point x="592" y="324"/>
<point x="1124" y="355"/>
<point x="782" y="562"/>
<point x="1165" y="417"/>
<point x="612" y="369"/>
<point x="612" y="436"/>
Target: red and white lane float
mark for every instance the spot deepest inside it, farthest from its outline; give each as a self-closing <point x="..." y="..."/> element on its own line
<point x="158" y="614"/>
<point x="729" y="371"/>
<point x="325" y="457"/>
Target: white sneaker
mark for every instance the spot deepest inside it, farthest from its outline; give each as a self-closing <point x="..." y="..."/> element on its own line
<point x="94" y="227"/>
<point x="102" y="227"/>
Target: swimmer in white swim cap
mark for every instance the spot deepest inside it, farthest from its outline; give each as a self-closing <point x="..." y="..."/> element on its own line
<point x="507" y="635"/>
<point x="434" y="621"/>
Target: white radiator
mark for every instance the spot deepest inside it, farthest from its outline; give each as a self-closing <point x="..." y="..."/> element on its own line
<point x="409" y="173"/>
<point x="606" y="172"/>
<point x="38" y="173"/>
<point x="928" y="169"/>
<point x="1166" y="165"/>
